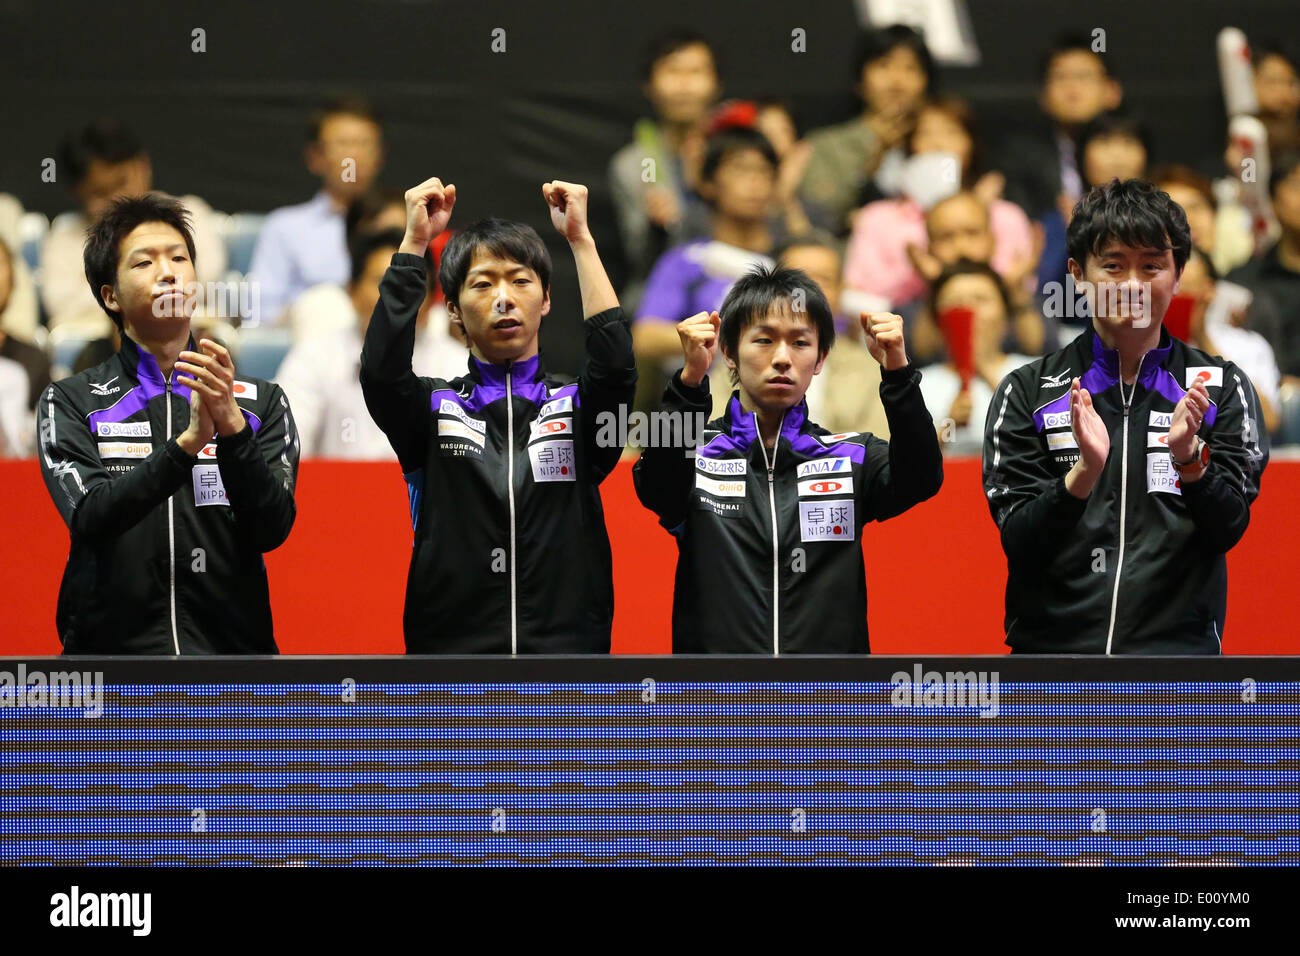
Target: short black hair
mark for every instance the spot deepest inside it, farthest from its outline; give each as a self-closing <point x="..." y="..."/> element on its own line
<point x="516" y="241"/>
<point x="810" y="239"/>
<point x="969" y="267"/>
<point x="1133" y="212"/>
<point x="732" y="139"/>
<point x="104" y="239"/>
<point x="668" y="43"/>
<point x="754" y="294"/>
<point x="1111" y="123"/>
<point x="341" y="106"/>
<point x="1283" y="166"/>
<point x="877" y="43"/>
<point x="1263" y="49"/>
<point x="105" y="140"/>
<point x="361" y="247"/>
<point x="369" y="205"/>
<point x="1069" y="43"/>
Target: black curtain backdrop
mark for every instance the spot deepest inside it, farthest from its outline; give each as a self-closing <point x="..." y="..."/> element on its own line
<point x="229" y="123"/>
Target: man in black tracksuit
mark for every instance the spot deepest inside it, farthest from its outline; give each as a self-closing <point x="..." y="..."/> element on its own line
<point x="172" y="476"/>
<point x="1121" y="468"/>
<point x="503" y="465"/>
<point x="769" y="510"/>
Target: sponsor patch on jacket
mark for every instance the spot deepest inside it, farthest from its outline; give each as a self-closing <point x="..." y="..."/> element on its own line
<point x="557" y="406"/>
<point x="447" y="428"/>
<point x="721" y="466"/>
<point x="1057" y="440"/>
<point x="246" y="390"/>
<point x="720" y="487"/>
<point x="448" y="407"/>
<point x="1161" y="475"/>
<point x="551" y="428"/>
<point x="1158" y="440"/>
<point x="827" y="486"/>
<point x="1160" y="420"/>
<point x="125" y="449"/>
<point x="208" y="451"/>
<point x="830" y="520"/>
<point x="1057" y="419"/>
<point x="208" y="487"/>
<point x="553" y="461"/>
<point x="123" y="430"/>
<point x="825" y="466"/>
<point x="832" y="439"/>
<point x="1209" y="375"/>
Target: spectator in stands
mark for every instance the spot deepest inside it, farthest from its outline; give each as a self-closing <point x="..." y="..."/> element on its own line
<point x="100" y="163"/>
<point x="1277" y="88"/>
<point x="21" y="315"/>
<point x="1212" y="330"/>
<point x="857" y="161"/>
<point x="878" y="260"/>
<point x="32" y="360"/>
<point x="1074" y="87"/>
<point x="304" y="245"/>
<point x="1224" y="233"/>
<point x="845" y="396"/>
<point x="1115" y="145"/>
<point x="957" y="405"/>
<point x="1274" y="278"/>
<point x="652" y="178"/>
<point x="321" y="372"/>
<point x="738" y="180"/>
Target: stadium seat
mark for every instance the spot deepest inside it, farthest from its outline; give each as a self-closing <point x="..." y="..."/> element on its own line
<point x="240" y="233"/>
<point x="31" y="231"/>
<point x="261" y="351"/>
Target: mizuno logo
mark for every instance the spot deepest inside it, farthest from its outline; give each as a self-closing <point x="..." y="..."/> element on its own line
<point x="1056" y="381"/>
<point x="103" y="389"/>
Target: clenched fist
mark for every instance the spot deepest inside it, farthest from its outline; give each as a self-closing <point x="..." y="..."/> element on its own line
<point x="428" y="207"/>
<point x="568" y="206"/>
<point x="699" y="335"/>
<point x="883" y="334"/>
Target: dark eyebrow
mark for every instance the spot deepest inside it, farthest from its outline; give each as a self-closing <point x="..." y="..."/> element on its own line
<point x="490" y="271"/>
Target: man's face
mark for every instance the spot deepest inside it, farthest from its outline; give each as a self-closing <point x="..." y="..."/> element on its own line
<point x="894" y="83"/>
<point x="1200" y="214"/>
<point x="155" y="287"/>
<point x="958" y="228"/>
<point x="364" y="290"/>
<point x="1129" y="289"/>
<point x="1118" y="156"/>
<point x="742" y="185"/>
<point x="347" y="155"/>
<point x="979" y="293"/>
<point x="1286" y="203"/>
<point x="819" y="264"/>
<point x="1077" y="88"/>
<point x="501" y="307"/>
<point x="683" y="85"/>
<point x="105" y="182"/>
<point x="1277" y="88"/>
<point x="777" y="358"/>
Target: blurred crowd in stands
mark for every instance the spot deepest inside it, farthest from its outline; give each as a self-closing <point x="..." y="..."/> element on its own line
<point x="904" y="208"/>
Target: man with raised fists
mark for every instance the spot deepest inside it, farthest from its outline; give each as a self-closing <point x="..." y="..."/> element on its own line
<point x="768" y="510"/>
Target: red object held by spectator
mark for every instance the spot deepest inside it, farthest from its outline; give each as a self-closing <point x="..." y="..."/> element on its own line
<point x="1178" y="317"/>
<point x="958" y="324"/>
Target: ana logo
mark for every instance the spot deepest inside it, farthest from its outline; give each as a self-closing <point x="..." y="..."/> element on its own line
<point x="557" y="406"/>
<point x="1056" y="420"/>
<point x="245" y="390"/>
<point x="1160" y="419"/>
<point x="823" y="466"/>
<point x="103" y="389"/>
<point x="1056" y="381"/>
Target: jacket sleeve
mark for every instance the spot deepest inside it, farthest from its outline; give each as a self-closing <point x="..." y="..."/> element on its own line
<point x="397" y="398"/>
<point x="1219" y="502"/>
<point x="908" y="468"/>
<point x="1029" y="503"/>
<point x="664" y="476"/>
<point x="606" y="383"/>
<point x="94" y="505"/>
<point x="259" y="470"/>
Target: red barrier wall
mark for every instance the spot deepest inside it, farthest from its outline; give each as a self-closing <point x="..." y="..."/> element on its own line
<point x="935" y="576"/>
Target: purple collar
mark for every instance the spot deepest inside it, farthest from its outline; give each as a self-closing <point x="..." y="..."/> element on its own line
<point x="744" y="425"/>
<point x="1104" y="370"/>
<point x="144" y="367"/>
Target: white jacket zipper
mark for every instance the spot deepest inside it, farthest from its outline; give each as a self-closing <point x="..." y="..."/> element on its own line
<point x="1123" y="506"/>
<point x="776" y="560"/>
<point x="510" y="486"/>
<point x="171" y="533"/>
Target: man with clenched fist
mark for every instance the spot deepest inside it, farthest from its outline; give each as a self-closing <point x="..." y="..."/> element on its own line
<point x="769" y="510"/>
<point x="502" y="464"/>
<point x="1122" y="468"/>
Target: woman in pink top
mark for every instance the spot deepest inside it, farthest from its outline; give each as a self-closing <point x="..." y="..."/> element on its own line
<point x="878" y="261"/>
